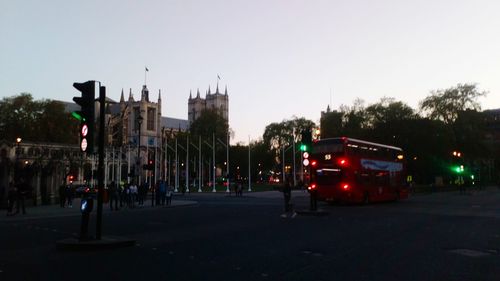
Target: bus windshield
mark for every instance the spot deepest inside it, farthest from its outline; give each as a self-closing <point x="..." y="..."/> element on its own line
<point x="327" y="176"/>
<point x="329" y="146"/>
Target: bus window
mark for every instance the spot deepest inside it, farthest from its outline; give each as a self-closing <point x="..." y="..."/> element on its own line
<point x="327" y="176"/>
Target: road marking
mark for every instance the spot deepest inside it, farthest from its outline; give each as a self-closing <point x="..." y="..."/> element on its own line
<point x="470" y="253"/>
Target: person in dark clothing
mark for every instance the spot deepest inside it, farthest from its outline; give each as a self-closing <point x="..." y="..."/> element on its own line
<point x="113" y="196"/>
<point x="69" y="195"/>
<point x="162" y="192"/>
<point x="22" y="190"/>
<point x="287" y="194"/>
<point x="169" y="193"/>
<point x="142" y="192"/>
<point x="62" y="195"/>
<point x="11" y="197"/>
<point x="239" y="191"/>
<point x="2" y="193"/>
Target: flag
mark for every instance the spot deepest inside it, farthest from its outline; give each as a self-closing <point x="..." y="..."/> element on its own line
<point x="218" y="77"/>
<point x="147" y="69"/>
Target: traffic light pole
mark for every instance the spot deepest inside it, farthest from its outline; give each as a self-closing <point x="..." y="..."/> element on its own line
<point x="100" y="169"/>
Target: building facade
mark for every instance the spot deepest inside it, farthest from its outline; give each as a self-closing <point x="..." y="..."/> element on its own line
<point x="216" y="101"/>
<point x="136" y="134"/>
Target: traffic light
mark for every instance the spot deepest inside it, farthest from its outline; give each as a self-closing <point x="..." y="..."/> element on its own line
<point x="86" y="114"/>
<point x="458" y="169"/>
<point x="150" y="166"/>
<point x="306" y="140"/>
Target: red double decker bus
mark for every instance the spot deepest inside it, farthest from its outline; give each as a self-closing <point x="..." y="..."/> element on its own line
<point x="351" y="170"/>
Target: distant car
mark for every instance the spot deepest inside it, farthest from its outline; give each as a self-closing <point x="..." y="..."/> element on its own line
<point x="274" y="180"/>
<point x="84" y="189"/>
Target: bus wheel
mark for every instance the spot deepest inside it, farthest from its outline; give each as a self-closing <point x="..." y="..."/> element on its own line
<point x="366" y="198"/>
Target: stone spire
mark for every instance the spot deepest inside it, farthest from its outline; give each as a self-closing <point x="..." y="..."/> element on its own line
<point x="209" y="90"/>
<point x="198" y="93"/>
<point x="130" y="97"/>
<point x="122" y="98"/>
<point x="159" y="95"/>
<point x="225" y="91"/>
<point x="190" y="95"/>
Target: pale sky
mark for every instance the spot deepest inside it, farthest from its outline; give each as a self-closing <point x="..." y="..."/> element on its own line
<point x="277" y="58"/>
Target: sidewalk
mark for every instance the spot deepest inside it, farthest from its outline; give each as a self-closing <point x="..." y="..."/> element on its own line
<point x="55" y="211"/>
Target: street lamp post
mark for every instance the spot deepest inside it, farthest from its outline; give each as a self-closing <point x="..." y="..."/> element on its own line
<point x="18" y="143"/>
<point x="139" y="122"/>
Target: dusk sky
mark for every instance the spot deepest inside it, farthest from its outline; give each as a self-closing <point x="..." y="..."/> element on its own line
<point x="277" y="58"/>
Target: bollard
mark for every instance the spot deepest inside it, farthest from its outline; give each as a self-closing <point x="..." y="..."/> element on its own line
<point x="86" y="206"/>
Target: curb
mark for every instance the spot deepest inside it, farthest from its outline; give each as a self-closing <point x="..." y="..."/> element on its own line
<point x="317" y="213"/>
<point x="106" y="243"/>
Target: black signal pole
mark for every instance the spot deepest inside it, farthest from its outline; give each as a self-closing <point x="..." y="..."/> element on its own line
<point x="100" y="168"/>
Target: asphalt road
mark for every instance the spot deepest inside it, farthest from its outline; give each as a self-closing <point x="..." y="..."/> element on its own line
<point x="442" y="236"/>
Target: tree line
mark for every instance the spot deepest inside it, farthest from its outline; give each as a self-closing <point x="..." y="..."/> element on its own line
<point x="447" y="120"/>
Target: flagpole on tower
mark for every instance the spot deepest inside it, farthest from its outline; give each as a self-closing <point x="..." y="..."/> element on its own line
<point x="145" y="70"/>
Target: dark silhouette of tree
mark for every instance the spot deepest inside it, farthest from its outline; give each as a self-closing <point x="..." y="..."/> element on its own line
<point x="209" y="122"/>
<point x="41" y="121"/>
<point x="445" y="105"/>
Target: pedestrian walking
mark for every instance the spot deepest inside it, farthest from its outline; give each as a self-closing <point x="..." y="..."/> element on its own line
<point x="162" y="192"/>
<point x="69" y="195"/>
<point x="287" y="195"/>
<point x="22" y="191"/>
<point x="113" y="196"/>
<point x="119" y="191"/>
<point x="2" y="193"/>
<point x="239" y="191"/>
<point x="133" y="194"/>
<point x="126" y="195"/>
<point x="169" y="194"/>
<point x="11" y="197"/>
<point x="62" y="195"/>
<point x="140" y="192"/>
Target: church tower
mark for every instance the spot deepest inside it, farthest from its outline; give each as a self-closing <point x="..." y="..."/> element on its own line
<point x="216" y="101"/>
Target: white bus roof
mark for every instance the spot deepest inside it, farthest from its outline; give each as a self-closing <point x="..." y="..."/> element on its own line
<point x="346" y="139"/>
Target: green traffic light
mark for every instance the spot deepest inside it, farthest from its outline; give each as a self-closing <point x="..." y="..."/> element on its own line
<point x="77" y="116"/>
<point x="303" y="147"/>
<point x="458" y="169"/>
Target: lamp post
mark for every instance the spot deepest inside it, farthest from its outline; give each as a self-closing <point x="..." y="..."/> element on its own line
<point x="18" y="143"/>
<point x="139" y="122"/>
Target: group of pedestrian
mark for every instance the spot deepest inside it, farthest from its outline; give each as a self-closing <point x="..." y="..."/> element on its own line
<point x="131" y="195"/>
<point x="162" y="193"/>
<point x="16" y="196"/>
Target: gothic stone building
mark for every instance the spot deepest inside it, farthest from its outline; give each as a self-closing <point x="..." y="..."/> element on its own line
<point x="216" y="101"/>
